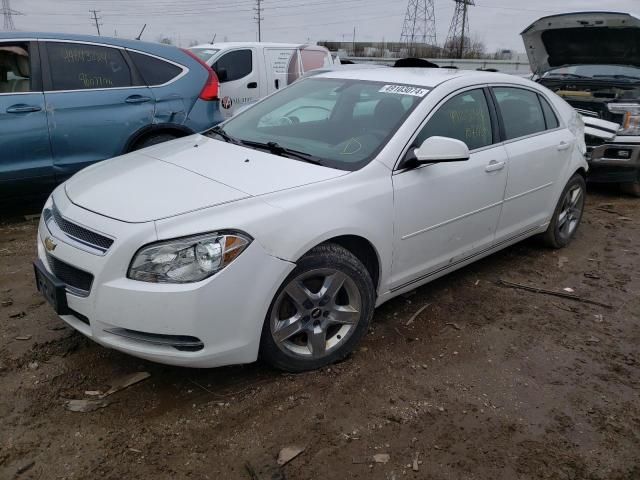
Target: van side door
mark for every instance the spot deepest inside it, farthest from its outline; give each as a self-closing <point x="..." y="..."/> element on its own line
<point x="239" y="78"/>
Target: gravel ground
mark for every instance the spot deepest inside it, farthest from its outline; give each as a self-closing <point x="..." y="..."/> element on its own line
<point x="486" y="382"/>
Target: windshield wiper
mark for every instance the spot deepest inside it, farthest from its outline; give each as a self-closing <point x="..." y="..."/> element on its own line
<point x="277" y="149"/>
<point x="619" y="77"/>
<point x="219" y="131"/>
<point x="565" y="75"/>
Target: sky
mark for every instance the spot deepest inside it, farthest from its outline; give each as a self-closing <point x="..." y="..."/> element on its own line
<point x="497" y="23"/>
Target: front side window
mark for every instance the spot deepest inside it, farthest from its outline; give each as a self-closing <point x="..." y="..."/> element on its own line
<point x="15" y="68"/>
<point x="234" y="65"/>
<point x="464" y="117"/>
<point x="521" y="112"/>
<point x="77" y="66"/>
<point x="340" y="123"/>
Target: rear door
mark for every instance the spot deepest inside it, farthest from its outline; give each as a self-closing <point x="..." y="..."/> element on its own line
<point x="238" y="74"/>
<point x="539" y="148"/>
<point x="25" y="152"/>
<point x="95" y="102"/>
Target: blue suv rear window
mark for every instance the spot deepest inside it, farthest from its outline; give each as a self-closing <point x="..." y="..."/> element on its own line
<point x="77" y="66"/>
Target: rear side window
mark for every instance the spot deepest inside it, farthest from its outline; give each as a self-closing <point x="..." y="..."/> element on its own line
<point x="77" y="66"/>
<point x="153" y="70"/>
<point x="234" y="65"/>
<point x="521" y="112"/>
<point x="464" y="117"/>
<point x="15" y="68"/>
<point x="549" y="115"/>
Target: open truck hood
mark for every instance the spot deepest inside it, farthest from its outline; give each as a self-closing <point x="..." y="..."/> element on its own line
<point x="583" y="38"/>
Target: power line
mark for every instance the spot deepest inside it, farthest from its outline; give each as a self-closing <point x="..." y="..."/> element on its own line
<point x="419" y="25"/>
<point x="95" y="20"/>
<point x="8" y="14"/>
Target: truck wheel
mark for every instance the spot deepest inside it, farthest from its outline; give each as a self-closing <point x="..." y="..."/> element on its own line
<point x="631" y="188"/>
<point x="320" y="312"/>
<point x="567" y="215"/>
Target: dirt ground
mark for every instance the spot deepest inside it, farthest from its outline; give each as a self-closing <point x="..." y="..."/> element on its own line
<point x="487" y="382"/>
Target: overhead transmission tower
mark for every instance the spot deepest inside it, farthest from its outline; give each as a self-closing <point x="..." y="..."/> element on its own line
<point x="95" y="19"/>
<point x="8" y="14"/>
<point x="419" y="27"/>
<point x="459" y="29"/>
<point x="259" y="18"/>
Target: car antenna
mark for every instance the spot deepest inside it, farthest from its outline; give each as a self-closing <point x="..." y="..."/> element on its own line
<point x="214" y="38"/>
<point x="140" y="34"/>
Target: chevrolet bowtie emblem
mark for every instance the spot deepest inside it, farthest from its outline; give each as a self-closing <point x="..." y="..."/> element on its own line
<point x="49" y="244"/>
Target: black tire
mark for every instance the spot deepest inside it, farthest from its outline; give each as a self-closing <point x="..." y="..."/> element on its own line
<point x="555" y="236"/>
<point x="631" y="188"/>
<point x="153" y="139"/>
<point x="323" y="258"/>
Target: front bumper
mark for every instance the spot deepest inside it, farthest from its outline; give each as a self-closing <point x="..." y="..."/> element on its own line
<point x="615" y="162"/>
<point x="218" y="320"/>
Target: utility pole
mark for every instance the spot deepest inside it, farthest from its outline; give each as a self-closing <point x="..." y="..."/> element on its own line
<point x="140" y="34"/>
<point x="459" y="30"/>
<point x="258" y="18"/>
<point x="353" y="43"/>
<point x="8" y="14"/>
<point x="95" y="20"/>
<point x="419" y="25"/>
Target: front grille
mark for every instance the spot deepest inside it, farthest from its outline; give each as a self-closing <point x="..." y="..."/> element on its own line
<point x="78" y="233"/>
<point x="78" y="281"/>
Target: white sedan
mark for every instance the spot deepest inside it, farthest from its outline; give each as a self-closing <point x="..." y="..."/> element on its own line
<point x="277" y="237"/>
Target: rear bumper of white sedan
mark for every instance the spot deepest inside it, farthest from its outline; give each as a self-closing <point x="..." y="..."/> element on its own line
<point x="210" y="323"/>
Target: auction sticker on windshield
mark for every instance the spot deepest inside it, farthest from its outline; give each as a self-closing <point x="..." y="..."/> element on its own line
<point x="404" y="90"/>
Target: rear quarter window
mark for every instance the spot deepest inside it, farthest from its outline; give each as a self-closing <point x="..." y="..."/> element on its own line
<point x="153" y="70"/>
<point x="549" y="115"/>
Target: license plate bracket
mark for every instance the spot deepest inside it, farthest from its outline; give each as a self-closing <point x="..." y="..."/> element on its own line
<point x="52" y="288"/>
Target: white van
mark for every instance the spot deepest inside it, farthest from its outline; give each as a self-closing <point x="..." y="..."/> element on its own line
<point x="248" y="71"/>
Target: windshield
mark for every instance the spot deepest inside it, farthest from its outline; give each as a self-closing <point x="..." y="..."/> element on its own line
<point x="334" y="122"/>
<point x="204" y="54"/>
<point x="618" y="72"/>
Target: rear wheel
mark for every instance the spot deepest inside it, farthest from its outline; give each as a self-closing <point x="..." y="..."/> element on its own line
<point x="320" y="312"/>
<point x="567" y="215"/>
<point x="153" y="139"/>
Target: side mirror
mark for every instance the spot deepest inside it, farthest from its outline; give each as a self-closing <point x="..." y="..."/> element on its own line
<point x="437" y="150"/>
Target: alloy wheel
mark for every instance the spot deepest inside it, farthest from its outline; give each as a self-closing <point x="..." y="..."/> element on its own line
<point x="571" y="211"/>
<point x="315" y="313"/>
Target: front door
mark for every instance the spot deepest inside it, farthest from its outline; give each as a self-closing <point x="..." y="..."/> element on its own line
<point x="446" y="213"/>
<point x="25" y="152"/>
<point x="239" y="79"/>
<point x="95" y="103"/>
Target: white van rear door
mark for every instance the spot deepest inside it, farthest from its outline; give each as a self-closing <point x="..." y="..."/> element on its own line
<point x="239" y="78"/>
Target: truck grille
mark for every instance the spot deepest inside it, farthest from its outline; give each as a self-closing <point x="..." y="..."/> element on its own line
<point x="78" y="281"/>
<point x="76" y="232"/>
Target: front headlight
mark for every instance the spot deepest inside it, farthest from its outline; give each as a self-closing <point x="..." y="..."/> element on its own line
<point x="188" y="259"/>
<point x="631" y="113"/>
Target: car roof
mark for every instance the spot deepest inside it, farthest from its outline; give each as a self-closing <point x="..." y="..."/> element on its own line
<point x="423" y="77"/>
<point x="160" y="49"/>
<point x="223" y="45"/>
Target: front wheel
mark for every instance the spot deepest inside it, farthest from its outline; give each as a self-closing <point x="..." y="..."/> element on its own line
<point x="567" y="215"/>
<point x="320" y="312"/>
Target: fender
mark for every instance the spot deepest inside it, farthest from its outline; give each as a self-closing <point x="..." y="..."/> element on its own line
<point x="162" y="127"/>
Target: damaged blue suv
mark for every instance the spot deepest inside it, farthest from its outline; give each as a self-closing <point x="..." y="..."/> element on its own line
<point x="67" y="101"/>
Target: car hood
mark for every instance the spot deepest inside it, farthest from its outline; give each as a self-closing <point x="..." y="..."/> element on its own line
<point x="185" y="175"/>
<point x="586" y="38"/>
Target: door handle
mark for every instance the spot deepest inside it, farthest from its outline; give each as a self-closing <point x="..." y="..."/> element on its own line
<point x="494" y="166"/>
<point x="252" y="85"/>
<point x="21" y="108"/>
<point x="137" y="99"/>
<point x="564" y="146"/>
<point x="276" y="83"/>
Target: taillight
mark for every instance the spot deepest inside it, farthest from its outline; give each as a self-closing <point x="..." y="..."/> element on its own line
<point x="212" y="85"/>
